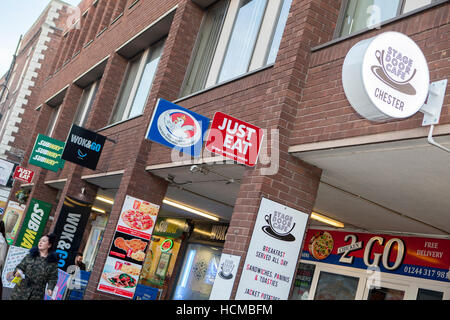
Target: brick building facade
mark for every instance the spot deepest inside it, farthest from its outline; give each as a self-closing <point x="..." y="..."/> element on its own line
<point x="297" y="97"/>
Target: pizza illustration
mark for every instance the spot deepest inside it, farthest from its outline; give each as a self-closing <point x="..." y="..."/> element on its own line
<point x="137" y="219"/>
<point x="321" y="245"/>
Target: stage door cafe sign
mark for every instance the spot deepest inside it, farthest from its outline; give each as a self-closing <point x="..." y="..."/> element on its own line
<point x="34" y="223"/>
<point x="427" y="258"/>
<point x="47" y="153"/>
<point x="127" y="251"/>
<point x="234" y="139"/>
<point x="69" y="230"/>
<point x="177" y="128"/>
<point x="83" y="147"/>
<point x="272" y="255"/>
<point x="386" y="77"/>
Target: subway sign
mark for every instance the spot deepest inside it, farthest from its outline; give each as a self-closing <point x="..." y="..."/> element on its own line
<point x="47" y="153"/>
<point x="426" y="258"/>
<point x="83" y="147"/>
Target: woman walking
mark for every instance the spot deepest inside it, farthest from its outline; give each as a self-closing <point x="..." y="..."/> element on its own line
<point x="40" y="269"/>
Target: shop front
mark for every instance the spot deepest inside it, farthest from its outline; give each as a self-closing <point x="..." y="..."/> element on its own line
<point x="347" y="265"/>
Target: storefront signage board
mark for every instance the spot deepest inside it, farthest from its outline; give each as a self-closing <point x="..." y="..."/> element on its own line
<point x="69" y="230"/>
<point x="13" y="258"/>
<point x="427" y="258"/>
<point x="83" y="147"/>
<point x="6" y="169"/>
<point x="225" y="277"/>
<point x="177" y="128"/>
<point x="126" y="255"/>
<point x="47" y="153"/>
<point x="271" y="260"/>
<point x="12" y="218"/>
<point x="23" y="174"/>
<point x="34" y="223"/>
<point x="386" y="77"/>
<point x="234" y="139"/>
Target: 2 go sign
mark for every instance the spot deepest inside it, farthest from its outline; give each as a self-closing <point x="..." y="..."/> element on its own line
<point x="234" y="139"/>
<point x="427" y="258"/>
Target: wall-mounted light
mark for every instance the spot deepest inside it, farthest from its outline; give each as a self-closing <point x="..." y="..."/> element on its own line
<point x="187" y="208"/>
<point x="326" y="220"/>
<point x="98" y="210"/>
<point x="104" y="199"/>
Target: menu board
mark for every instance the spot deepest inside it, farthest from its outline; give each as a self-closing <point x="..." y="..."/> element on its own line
<point x="127" y="252"/>
<point x="272" y="255"/>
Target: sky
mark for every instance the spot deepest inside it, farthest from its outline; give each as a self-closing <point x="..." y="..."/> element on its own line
<point x="16" y="17"/>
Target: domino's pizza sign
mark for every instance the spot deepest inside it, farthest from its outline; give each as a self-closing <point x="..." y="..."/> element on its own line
<point x="177" y="128"/>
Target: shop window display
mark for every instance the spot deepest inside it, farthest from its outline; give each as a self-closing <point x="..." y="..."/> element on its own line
<point x="303" y="281"/>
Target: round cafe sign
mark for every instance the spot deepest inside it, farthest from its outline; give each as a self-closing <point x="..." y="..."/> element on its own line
<point x="386" y="77"/>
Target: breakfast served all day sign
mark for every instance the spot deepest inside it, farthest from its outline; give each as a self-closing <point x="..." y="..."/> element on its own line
<point x="271" y="260"/>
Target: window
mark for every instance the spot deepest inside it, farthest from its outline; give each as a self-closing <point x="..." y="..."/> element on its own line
<point x="137" y="84"/>
<point x="52" y="122"/>
<point x="336" y="287"/>
<point x="360" y="14"/>
<point x="426" y="294"/>
<point x="236" y="37"/>
<point x="85" y="105"/>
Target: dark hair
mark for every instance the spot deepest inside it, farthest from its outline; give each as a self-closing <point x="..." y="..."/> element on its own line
<point x="51" y="240"/>
<point x="2" y="229"/>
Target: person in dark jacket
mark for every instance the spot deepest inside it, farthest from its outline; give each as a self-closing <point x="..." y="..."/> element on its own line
<point x="40" y="268"/>
<point x="3" y="251"/>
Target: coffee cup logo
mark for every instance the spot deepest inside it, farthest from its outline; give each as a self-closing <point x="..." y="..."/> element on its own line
<point x="279" y="226"/>
<point x="227" y="268"/>
<point x="395" y="69"/>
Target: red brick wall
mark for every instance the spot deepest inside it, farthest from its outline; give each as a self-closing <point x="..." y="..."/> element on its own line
<point x="324" y="112"/>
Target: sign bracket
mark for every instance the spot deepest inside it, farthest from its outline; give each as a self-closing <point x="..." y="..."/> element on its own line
<point x="433" y="105"/>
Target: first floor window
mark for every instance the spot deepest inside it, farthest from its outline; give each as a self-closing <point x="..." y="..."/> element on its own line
<point x="53" y="119"/>
<point x="361" y="14"/>
<point x="236" y="37"/>
<point x="85" y="105"/>
<point x="137" y="83"/>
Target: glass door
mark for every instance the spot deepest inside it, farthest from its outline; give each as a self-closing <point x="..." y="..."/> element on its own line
<point x="198" y="272"/>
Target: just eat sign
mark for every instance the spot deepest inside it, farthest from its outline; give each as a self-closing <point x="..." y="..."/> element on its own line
<point x="23" y="174"/>
<point x="234" y="139"/>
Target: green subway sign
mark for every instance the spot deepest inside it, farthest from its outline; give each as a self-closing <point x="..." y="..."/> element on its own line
<point x="47" y="153"/>
<point x="33" y="224"/>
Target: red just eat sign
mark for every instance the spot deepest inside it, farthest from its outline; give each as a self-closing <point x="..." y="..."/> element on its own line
<point x="234" y="139"/>
<point x="23" y="174"/>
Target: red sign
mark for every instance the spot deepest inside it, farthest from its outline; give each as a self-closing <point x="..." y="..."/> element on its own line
<point x="234" y="139"/>
<point x="23" y="174"/>
<point x="427" y="258"/>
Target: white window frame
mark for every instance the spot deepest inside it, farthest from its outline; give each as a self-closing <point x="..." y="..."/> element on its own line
<point x="136" y="82"/>
<point x="92" y="89"/>
<point x="52" y="126"/>
<point x="411" y="285"/>
<point x="263" y="40"/>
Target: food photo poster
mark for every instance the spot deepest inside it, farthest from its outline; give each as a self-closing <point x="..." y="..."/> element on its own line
<point x="127" y="251"/>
